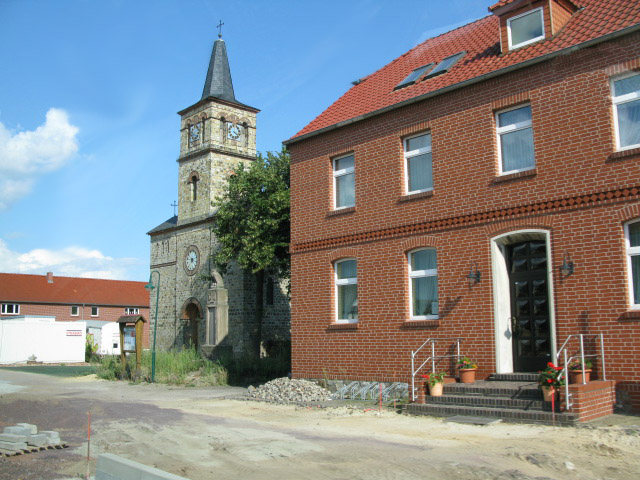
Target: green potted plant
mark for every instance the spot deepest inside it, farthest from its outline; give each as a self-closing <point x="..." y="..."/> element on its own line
<point x="550" y="381"/>
<point x="467" y="369"/>
<point x="575" y="371"/>
<point x="435" y="382"/>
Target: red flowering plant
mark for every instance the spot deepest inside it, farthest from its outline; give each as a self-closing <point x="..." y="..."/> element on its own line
<point x="434" y="378"/>
<point x="550" y="376"/>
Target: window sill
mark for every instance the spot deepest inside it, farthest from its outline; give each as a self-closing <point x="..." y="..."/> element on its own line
<point x="343" y="326"/>
<point x="415" y="196"/>
<point x="630" y="315"/>
<point x="623" y="154"/>
<point x="421" y="323"/>
<point x="513" y="176"/>
<point x="341" y="211"/>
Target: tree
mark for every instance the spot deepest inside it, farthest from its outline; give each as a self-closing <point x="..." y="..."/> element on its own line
<point x="252" y="225"/>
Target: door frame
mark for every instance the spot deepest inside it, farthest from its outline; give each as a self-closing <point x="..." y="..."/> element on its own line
<point x="502" y="294"/>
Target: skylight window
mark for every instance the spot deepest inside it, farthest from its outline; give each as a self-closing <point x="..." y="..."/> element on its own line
<point x="445" y="65"/>
<point x="413" y="76"/>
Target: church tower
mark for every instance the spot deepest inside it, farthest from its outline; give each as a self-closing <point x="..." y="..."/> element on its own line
<point x="198" y="306"/>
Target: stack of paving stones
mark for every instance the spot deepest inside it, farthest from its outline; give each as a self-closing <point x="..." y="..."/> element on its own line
<point x="290" y="392"/>
<point x="24" y="438"/>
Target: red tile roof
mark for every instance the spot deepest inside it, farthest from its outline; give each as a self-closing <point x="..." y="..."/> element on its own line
<point x="21" y="288"/>
<point x="480" y="39"/>
<point x="501" y="3"/>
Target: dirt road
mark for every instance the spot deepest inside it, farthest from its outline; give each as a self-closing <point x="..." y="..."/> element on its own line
<point x="203" y="434"/>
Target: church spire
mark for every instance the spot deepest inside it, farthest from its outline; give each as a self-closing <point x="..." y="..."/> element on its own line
<point x="218" y="83"/>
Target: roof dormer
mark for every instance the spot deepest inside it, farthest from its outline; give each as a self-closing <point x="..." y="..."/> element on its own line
<point x="523" y="22"/>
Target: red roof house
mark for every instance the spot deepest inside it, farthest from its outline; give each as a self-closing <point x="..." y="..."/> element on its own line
<point x="479" y="195"/>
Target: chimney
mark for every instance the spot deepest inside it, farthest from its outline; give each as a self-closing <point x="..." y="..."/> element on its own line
<point x="49" y="277"/>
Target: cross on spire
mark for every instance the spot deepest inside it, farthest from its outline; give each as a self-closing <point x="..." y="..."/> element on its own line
<point x="174" y="205"/>
<point x="220" y="29"/>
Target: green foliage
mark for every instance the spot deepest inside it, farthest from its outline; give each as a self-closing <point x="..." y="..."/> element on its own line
<point x="434" y="378"/>
<point x="466" y="363"/>
<point x="576" y="364"/>
<point x="90" y="349"/>
<point x="550" y="376"/>
<point x="174" y="367"/>
<point x="252" y="221"/>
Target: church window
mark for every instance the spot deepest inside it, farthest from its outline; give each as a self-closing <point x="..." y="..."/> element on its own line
<point x="270" y="291"/>
<point x="194" y="178"/>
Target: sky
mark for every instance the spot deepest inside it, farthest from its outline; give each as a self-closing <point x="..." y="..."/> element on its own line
<point x="89" y="91"/>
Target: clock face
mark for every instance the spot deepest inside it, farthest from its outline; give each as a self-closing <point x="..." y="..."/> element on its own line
<point x="191" y="260"/>
<point x="194" y="132"/>
<point x="234" y="131"/>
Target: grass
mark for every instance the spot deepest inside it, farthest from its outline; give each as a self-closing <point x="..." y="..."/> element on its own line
<point x="56" y="370"/>
<point x="188" y="367"/>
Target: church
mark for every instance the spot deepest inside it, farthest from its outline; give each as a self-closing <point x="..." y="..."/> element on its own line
<point x="197" y="306"/>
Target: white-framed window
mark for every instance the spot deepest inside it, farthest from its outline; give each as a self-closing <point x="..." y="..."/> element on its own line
<point x="131" y="311"/>
<point x="515" y="139"/>
<point x="95" y="311"/>
<point x="632" y="240"/>
<point x="346" y="278"/>
<point x="10" y="309"/>
<point x="344" y="186"/>
<point x="423" y="280"/>
<point x="626" y="110"/>
<point x="525" y="28"/>
<point x="75" y="310"/>
<point x="418" y="166"/>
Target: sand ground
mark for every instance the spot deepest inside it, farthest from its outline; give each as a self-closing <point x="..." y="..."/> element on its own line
<point x="207" y="433"/>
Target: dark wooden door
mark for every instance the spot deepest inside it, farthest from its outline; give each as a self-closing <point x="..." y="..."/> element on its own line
<point x="530" y="322"/>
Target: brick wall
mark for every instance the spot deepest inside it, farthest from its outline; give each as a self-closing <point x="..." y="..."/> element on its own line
<point x="581" y="192"/>
<point x="593" y="400"/>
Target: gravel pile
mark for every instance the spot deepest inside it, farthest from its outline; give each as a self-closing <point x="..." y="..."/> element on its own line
<point x="288" y="391"/>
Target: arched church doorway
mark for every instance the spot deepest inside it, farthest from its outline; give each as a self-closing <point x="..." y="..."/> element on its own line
<point x="192" y="316"/>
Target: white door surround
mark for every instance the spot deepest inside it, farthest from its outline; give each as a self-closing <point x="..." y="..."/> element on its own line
<point x="502" y="294"/>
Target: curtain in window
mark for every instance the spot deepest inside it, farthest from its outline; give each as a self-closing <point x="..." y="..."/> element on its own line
<point x="629" y="123"/>
<point x="420" y="172"/>
<point x="425" y="295"/>
<point x="517" y="150"/>
<point x="347" y="302"/>
<point x="345" y="190"/>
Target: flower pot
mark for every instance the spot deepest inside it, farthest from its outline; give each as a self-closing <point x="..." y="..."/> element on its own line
<point x="436" y="390"/>
<point x="467" y="375"/>
<point x="575" y="376"/>
<point x="548" y="393"/>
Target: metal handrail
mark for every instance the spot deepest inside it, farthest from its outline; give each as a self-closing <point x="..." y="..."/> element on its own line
<point x="567" y="361"/>
<point x="432" y="358"/>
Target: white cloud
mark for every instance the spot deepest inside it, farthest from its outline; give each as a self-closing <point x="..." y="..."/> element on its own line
<point x="26" y="155"/>
<point x="70" y="261"/>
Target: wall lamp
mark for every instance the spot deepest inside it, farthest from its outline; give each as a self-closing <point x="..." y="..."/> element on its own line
<point x="474" y="274"/>
<point x="567" y="265"/>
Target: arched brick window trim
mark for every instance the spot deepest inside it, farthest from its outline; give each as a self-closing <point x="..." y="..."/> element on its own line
<point x="192" y="300"/>
<point x="419" y="242"/>
<point x="192" y="175"/>
<point x="630" y="212"/>
<point x="347" y="252"/>
<point x="499" y="228"/>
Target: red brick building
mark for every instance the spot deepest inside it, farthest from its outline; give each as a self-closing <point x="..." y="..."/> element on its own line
<point x="71" y="299"/>
<point x="483" y="186"/>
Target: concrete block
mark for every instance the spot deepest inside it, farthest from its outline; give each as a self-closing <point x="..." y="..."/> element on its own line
<point x="53" y="437"/>
<point x="16" y="430"/>
<point x="33" y="428"/>
<point x="13" y="446"/>
<point x="113" y="467"/>
<point x="37" y="440"/>
<point x="10" y="437"/>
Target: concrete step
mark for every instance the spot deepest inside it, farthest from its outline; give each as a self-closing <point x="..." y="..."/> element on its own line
<point x="489" y="388"/>
<point x="514" y="377"/>
<point x="490" y="402"/>
<point x="505" y="414"/>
